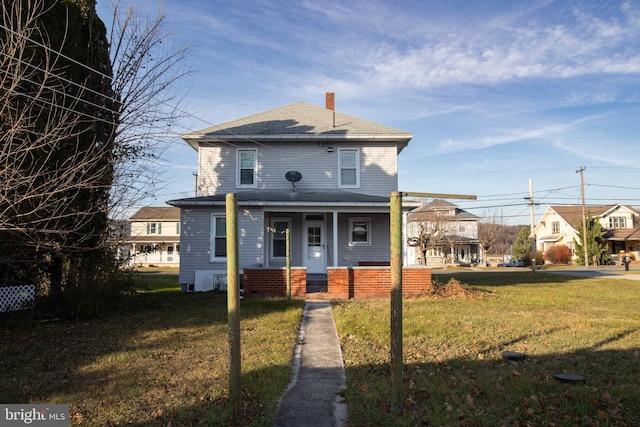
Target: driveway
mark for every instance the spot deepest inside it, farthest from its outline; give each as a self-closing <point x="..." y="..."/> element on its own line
<point x="603" y="272"/>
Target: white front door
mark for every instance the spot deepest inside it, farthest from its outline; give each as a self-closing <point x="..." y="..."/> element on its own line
<point x="464" y="253"/>
<point x="315" y="247"/>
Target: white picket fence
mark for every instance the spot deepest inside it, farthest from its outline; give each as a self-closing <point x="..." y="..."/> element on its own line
<point x="16" y="297"/>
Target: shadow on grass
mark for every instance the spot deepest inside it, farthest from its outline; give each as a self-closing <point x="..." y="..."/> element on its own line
<point x="503" y="278"/>
<point x="501" y="392"/>
<point x="163" y="358"/>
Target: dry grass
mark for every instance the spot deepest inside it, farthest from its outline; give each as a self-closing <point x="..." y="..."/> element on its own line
<point x="162" y="362"/>
<point x="454" y="370"/>
<point x="453" y="289"/>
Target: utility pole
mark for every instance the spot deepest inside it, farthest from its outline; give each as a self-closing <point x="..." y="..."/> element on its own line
<point x="584" y="220"/>
<point x="532" y="236"/>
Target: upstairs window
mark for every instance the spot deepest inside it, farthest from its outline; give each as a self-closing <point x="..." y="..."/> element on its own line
<point x="349" y="168"/>
<point x="617" y="222"/>
<point x="154" y="228"/>
<point x="218" y="238"/>
<point x="247" y="168"/>
<point x="555" y="227"/>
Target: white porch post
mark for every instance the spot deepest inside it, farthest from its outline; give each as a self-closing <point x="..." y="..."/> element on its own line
<point x="335" y="238"/>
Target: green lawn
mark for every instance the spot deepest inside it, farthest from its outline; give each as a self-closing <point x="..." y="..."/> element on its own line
<point x="455" y="373"/>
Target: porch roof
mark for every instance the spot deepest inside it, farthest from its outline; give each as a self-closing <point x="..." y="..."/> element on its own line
<point x="623" y="234"/>
<point x="460" y="240"/>
<point x="153" y="239"/>
<point x="268" y="198"/>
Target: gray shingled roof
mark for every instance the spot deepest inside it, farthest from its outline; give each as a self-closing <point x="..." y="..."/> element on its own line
<point x="258" y="197"/>
<point x="297" y="122"/>
<point x="432" y="211"/>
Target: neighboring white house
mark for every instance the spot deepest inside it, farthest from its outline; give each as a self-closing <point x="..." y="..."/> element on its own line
<point x="559" y="223"/>
<point x="154" y="238"/>
<point x="453" y="233"/>
<point x="324" y="175"/>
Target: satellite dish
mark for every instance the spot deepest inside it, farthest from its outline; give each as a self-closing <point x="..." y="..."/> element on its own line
<point x="293" y="176"/>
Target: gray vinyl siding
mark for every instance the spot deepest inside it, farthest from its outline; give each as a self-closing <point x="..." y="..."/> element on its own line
<point x="317" y="164"/>
<point x="377" y="251"/>
<point x="195" y="240"/>
<point x="378" y="170"/>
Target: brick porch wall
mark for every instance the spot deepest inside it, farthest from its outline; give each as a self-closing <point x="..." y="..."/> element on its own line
<point x="272" y="282"/>
<point x="375" y="282"/>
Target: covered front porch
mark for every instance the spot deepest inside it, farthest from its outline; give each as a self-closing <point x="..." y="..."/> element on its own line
<point x="326" y="239"/>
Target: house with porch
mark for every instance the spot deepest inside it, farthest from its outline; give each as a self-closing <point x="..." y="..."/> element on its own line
<point x="323" y="175"/>
<point x="445" y="232"/>
<point x="154" y="236"/>
<point x="558" y="225"/>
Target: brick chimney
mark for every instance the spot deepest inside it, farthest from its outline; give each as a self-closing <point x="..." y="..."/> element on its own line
<point x="330" y="104"/>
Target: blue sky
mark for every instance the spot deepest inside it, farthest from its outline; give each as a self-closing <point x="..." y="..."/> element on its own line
<point x="495" y="92"/>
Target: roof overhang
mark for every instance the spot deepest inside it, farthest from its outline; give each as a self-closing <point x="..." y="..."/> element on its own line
<point x="194" y="140"/>
<point x="549" y="238"/>
<point x="297" y="201"/>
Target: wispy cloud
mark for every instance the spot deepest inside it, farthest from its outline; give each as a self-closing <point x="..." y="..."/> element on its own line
<point x="549" y="133"/>
<point x="502" y="50"/>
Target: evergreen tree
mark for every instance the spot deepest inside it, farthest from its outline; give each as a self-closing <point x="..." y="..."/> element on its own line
<point x="596" y="250"/>
<point x="57" y="138"/>
<point x="521" y="248"/>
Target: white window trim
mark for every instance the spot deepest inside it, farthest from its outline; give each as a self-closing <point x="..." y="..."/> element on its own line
<point x="351" y="242"/>
<point x="617" y="222"/>
<point x="154" y="228"/>
<point x="212" y="241"/>
<point x="357" y="151"/>
<point x="255" y="168"/>
<point x="272" y="235"/>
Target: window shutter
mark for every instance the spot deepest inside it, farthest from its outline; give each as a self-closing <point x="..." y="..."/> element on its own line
<point x="159" y="228"/>
<point x="148" y="228"/>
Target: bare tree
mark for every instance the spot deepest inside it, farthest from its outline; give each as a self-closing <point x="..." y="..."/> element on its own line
<point x="428" y="230"/>
<point x="490" y="229"/>
<point x="147" y="68"/>
<point x="78" y="140"/>
<point x="55" y="152"/>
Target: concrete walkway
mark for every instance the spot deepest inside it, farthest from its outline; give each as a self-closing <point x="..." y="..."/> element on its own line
<point x="312" y="398"/>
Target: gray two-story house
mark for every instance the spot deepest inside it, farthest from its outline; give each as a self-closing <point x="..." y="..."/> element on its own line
<point x="324" y="175"/>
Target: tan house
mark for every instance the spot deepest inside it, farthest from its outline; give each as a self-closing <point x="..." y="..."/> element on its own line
<point x="559" y="223"/>
<point x="155" y="236"/>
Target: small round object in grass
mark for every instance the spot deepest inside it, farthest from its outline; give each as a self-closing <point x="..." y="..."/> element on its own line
<point x="570" y="379"/>
<point x="513" y="355"/>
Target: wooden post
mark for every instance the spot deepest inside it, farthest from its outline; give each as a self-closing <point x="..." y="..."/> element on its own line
<point x="233" y="307"/>
<point x="395" y="262"/>
<point x="397" y="365"/>
<point x="288" y="257"/>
